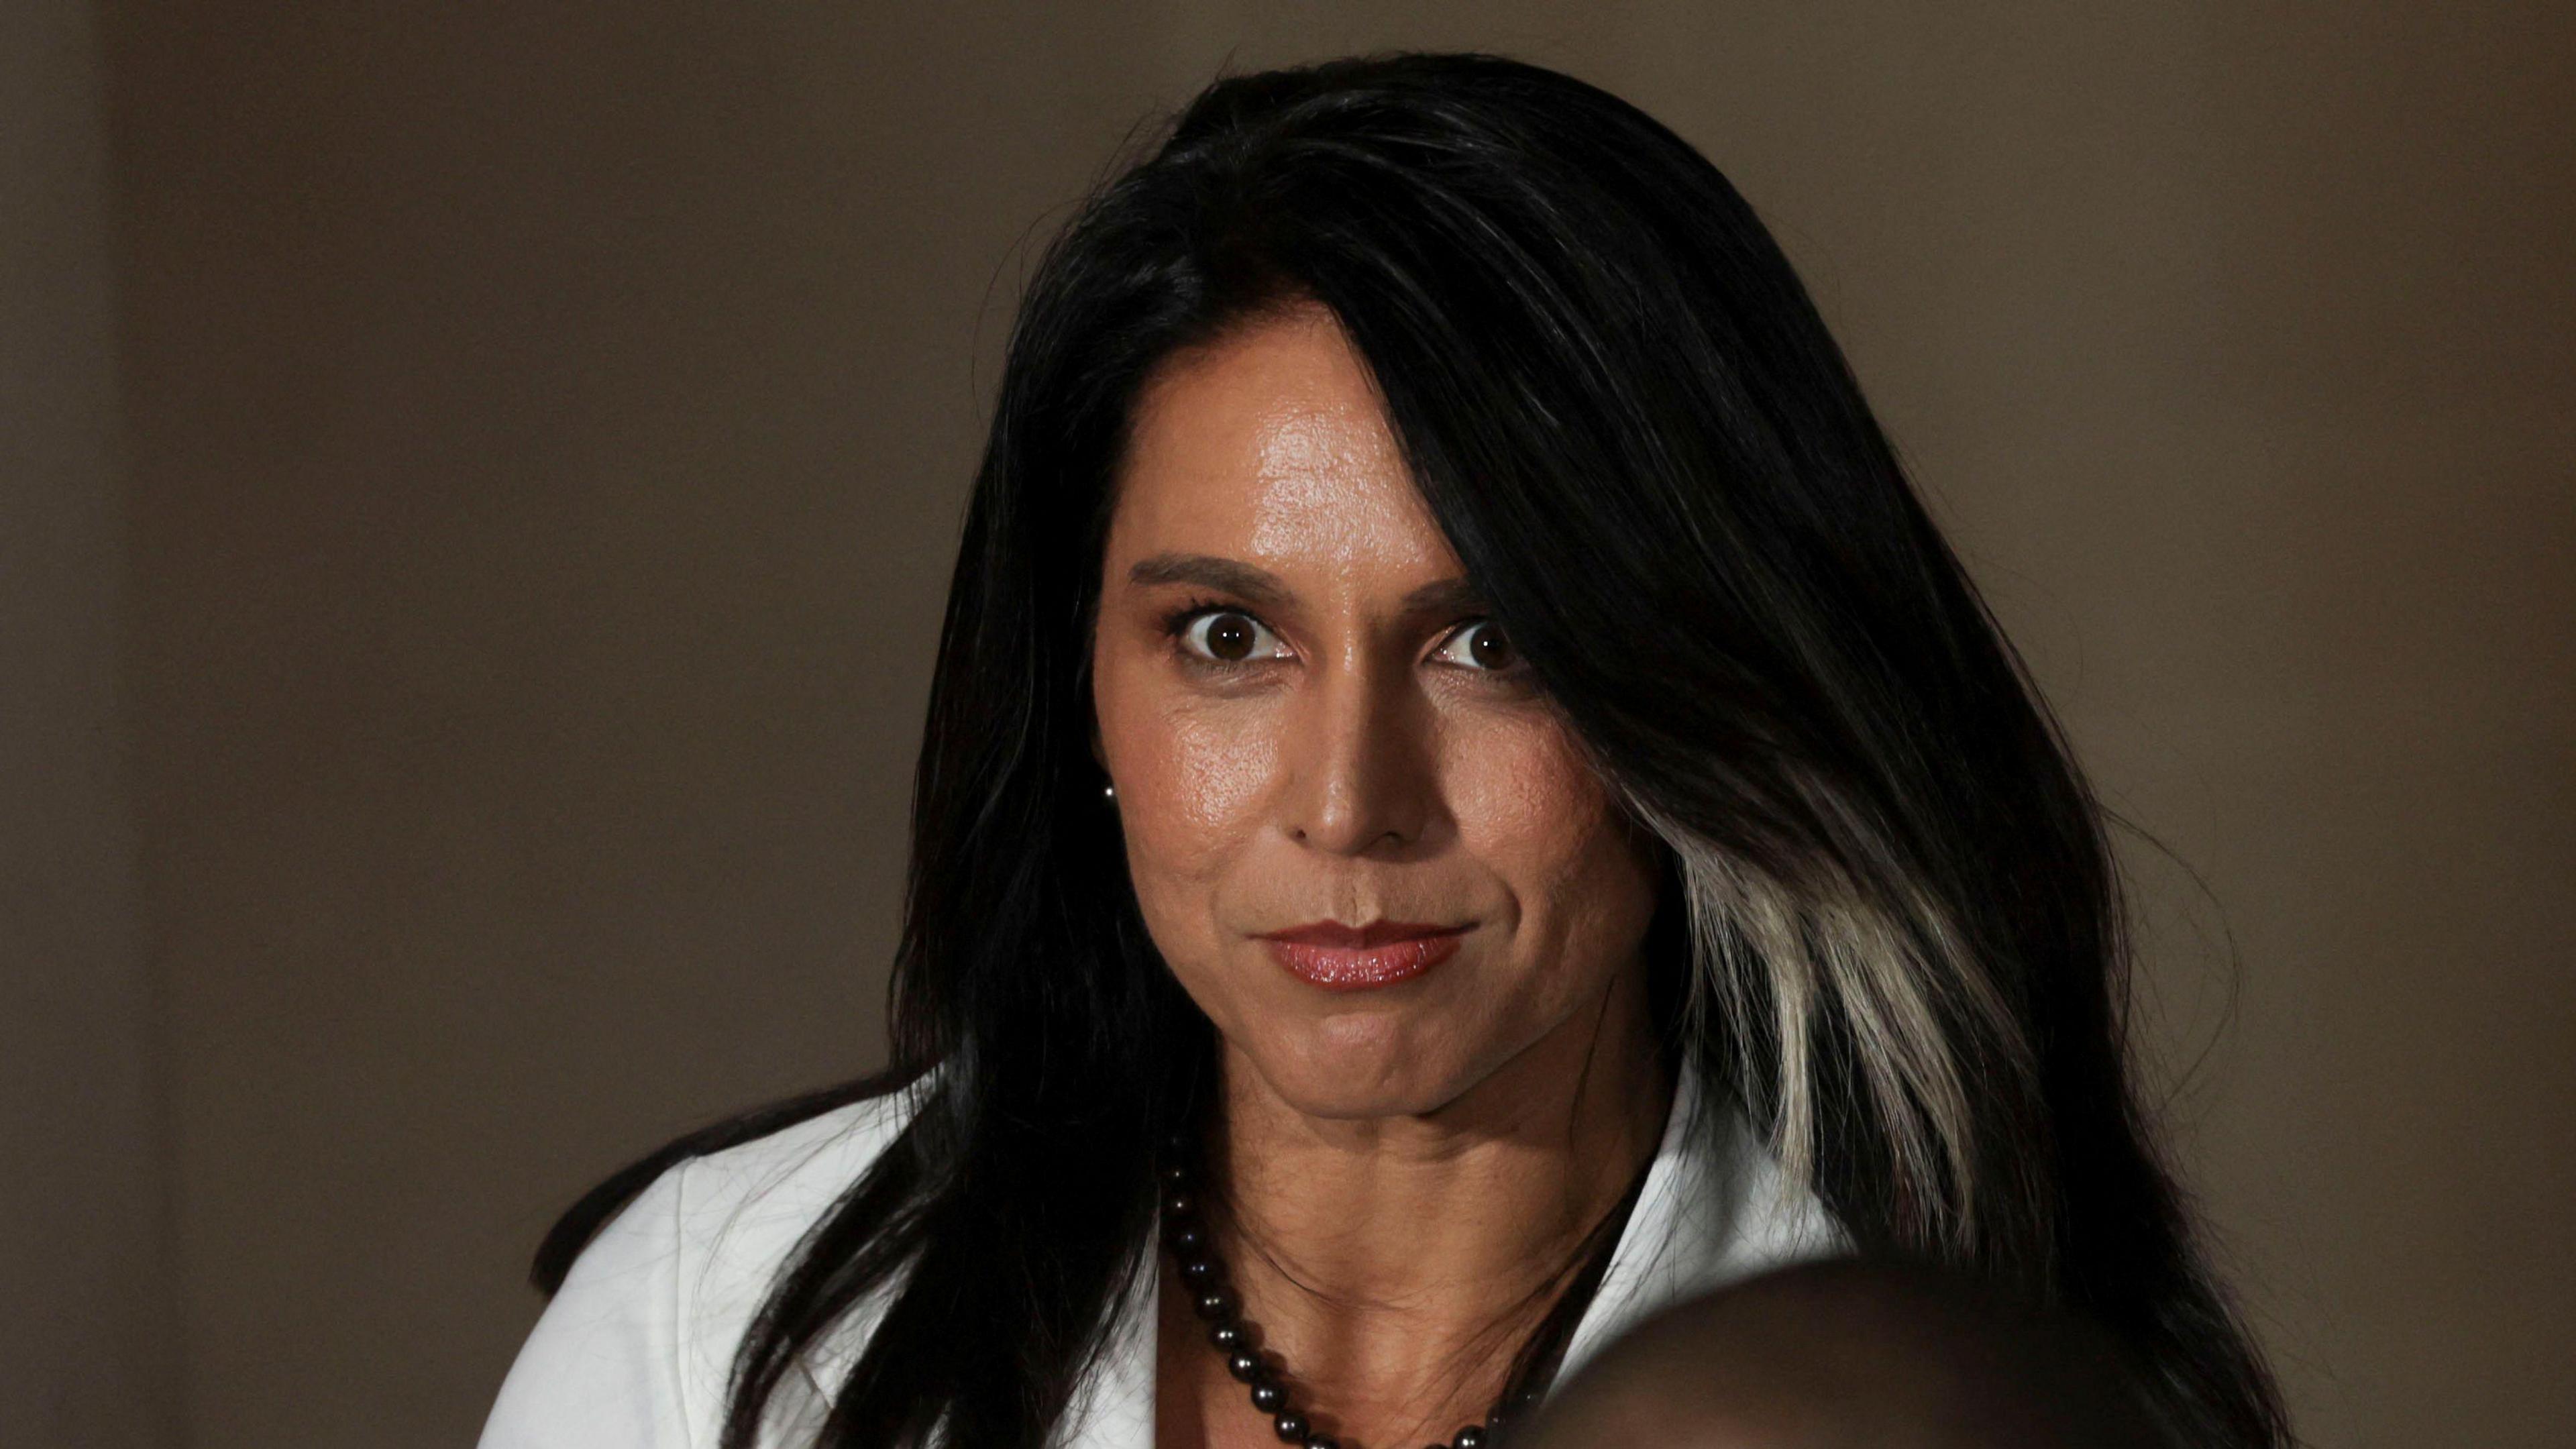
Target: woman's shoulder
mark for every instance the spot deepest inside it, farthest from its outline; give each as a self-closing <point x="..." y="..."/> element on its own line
<point x="636" y="1346"/>
<point x="741" y="1210"/>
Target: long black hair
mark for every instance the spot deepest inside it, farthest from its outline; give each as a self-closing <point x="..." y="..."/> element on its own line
<point x="1895" y="927"/>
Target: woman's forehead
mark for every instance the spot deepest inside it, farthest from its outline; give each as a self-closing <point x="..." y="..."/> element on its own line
<point x="1271" y="445"/>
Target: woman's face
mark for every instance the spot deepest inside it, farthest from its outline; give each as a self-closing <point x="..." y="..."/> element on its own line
<point x="1309" y="726"/>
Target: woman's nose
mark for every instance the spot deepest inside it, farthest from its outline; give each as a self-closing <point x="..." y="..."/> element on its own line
<point x="1360" y="761"/>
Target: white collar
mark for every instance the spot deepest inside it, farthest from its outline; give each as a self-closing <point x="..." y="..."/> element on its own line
<point x="1715" y="1208"/>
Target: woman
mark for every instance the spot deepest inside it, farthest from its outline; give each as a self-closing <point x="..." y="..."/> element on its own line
<point x="1465" y="803"/>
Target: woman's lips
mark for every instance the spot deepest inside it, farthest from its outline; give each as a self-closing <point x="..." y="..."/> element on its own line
<point x="1348" y="958"/>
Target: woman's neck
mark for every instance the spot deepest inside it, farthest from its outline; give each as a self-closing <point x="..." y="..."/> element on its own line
<point x="1396" y="1265"/>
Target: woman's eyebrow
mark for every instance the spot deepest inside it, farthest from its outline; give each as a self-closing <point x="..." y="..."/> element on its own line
<point x="1207" y="571"/>
<point x="1264" y="588"/>
<point x="1445" y="596"/>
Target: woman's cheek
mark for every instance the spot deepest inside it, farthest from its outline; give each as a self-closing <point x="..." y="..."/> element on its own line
<point x="1533" y="810"/>
<point x="1526" y="803"/>
<point x="1217" y="760"/>
<point x="1191" y="795"/>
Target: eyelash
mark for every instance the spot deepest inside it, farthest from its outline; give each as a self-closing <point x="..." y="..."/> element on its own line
<point x="1176" y="627"/>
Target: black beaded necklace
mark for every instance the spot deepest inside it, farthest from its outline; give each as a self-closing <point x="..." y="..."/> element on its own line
<point x="1194" y="1253"/>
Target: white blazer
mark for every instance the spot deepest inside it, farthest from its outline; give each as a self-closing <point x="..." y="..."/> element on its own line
<point x="634" y="1351"/>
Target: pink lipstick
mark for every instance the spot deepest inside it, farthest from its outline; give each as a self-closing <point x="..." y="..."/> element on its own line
<point x="1354" y="958"/>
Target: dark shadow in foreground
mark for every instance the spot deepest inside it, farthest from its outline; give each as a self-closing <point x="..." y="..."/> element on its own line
<point x="1853" y="1353"/>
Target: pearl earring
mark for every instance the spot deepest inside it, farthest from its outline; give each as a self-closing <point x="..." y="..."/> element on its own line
<point x="1108" y="792"/>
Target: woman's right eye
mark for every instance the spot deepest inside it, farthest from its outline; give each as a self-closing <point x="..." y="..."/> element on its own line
<point x="1228" y="636"/>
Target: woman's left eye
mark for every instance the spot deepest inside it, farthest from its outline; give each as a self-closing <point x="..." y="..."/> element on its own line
<point x="1480" y="645"/>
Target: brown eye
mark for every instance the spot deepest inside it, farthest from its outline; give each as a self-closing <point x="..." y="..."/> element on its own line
<point x="1481" y="645"/>
<point x="1227" y="637"/>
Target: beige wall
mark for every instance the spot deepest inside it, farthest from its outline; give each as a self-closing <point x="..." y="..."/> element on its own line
<point x="85" y="1347"/>
<point x="549" y="421"/>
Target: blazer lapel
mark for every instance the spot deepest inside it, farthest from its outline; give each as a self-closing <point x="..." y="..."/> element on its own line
<point x="1715" y="1209"/>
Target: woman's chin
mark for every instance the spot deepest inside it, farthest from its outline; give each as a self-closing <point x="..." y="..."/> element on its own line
<point x="1357" y="1065"/>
